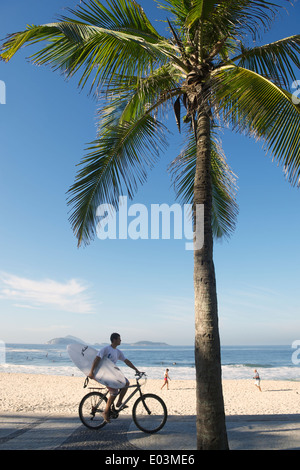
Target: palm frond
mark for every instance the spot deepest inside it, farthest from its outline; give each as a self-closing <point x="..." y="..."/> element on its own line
<point x="256" y="106"/>
<point x="155" y="92"/>
<point x="207" y="23"/>
<point x="224" y="189"/>
<point x="224" y="206"/>
<point x="200" y="10"/>
<point x="126" y="49"/>
<point x="236" y="18"/>
<point x="116" y="163"/>
<point x="179" y="10"/>
<point x="274" y="61"/>
<point x="121" y="15"/>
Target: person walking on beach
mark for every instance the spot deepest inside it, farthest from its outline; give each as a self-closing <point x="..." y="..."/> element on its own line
<point x="166" y="379"/>
<point x="257" y="380"/>
<point x="114" y="354"/>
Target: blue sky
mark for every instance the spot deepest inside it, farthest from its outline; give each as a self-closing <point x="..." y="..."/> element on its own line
<point x="140" y="288"/>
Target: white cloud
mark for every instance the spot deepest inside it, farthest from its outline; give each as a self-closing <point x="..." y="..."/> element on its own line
<point x="70" y="296"/>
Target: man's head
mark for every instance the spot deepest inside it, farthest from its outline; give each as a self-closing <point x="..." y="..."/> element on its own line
<point x="115" y="337"/>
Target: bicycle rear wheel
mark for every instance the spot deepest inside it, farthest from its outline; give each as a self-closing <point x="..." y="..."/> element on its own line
<point x="149" y="413"/>
<point x="91" y="410"/>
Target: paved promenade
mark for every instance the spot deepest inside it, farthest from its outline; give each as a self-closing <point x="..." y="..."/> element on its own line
<point x="33" y="432"/>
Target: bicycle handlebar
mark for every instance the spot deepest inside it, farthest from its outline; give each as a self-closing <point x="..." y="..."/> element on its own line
<point x="140" y="375"/>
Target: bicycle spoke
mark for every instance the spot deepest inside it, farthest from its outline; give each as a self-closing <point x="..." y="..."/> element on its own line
<point x="91" y="410"/>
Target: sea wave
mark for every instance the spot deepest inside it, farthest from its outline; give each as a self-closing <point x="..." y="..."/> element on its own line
<point x="236" y="372"/>
<point x="229" y="372"/>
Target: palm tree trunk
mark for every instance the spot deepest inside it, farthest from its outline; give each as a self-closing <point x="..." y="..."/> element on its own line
<point x="211" y="428"/>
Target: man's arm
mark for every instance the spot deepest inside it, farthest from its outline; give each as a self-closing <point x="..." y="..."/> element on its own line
<point x="129" y="364"/>
<point x="94" y="365"/>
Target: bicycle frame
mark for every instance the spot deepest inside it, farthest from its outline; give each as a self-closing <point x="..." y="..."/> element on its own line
<point x="137" y="387"/>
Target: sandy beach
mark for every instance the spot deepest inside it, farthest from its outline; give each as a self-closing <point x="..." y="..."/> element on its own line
<point x="32" y="393"/>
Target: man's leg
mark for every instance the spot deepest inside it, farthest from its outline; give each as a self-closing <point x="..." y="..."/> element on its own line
<point x="111" y="399"/>
<point x="122" y="394"/>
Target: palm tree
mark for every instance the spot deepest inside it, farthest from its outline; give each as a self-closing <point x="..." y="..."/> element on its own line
<point x="205" y="69"/>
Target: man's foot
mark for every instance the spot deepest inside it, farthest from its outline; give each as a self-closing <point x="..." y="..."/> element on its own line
<point x="119" y="405"/>
<point x="106" y="417"/>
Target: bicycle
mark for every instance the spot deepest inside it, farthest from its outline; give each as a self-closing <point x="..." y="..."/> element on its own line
<point x="149" y="411"/>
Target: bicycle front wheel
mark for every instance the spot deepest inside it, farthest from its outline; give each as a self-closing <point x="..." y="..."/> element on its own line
<point x="149" y="413"/>
<point x="91" y="410"/>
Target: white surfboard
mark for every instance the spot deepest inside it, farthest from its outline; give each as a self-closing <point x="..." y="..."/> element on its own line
<point x="107" y="373"/>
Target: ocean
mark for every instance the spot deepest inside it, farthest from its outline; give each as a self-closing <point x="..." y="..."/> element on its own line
<point x="238" y="362"/>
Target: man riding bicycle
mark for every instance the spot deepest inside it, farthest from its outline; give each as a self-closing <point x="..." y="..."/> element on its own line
<point x="114" y="354"/>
